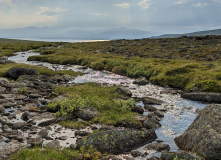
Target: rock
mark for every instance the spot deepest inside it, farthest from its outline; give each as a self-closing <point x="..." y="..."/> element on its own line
<point x="157" y="147"/>
<point x="136" y="153"/>
<point x="63" y="138"/>
<point x="55" y="144"/>
<point x="18" y="85"/>
<point x="203" y="137"/>
<point x="35" y="96"/>
<point x="158" y="113"/>
<point x="154" y="158"/>
<point x="141" y="81"/>
<point x="25" y="116"/>
<point x="150" y="100"/>
<point x="35" y="142"/>
<point x="137" y="109"/>
<point x="203" y="96"/>
<point x="124" y="91"/>
<point x="2" y="109"/>
<point x="12" y="134"/>
<point x="150" y="108"/>
<point x="151" y="122"/>
<point x="117" y="141"/>
<point x="1" y="139"/>
<point x="21" y="125"/>
<point x="73" y="146"/>
<point x="87" y="113"/>
<point x="81" y="133"/>
<point x="43" y="133"/>
<point x="4" y="83"/>
<point x="4" y="121"/>
<point x="9" y="105"/>
<point x="4" y="58"/>
<point x="47" y="122"/>
<point x="15" y="72"/>
<point x="10" y="148"/>
<point x="179" y="155"/>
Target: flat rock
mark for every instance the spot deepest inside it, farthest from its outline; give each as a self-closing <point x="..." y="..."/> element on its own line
<point x="203" y="137"/>
<point x="55" y="144"/>
<point x="48" y="122"/>
<point x="35" y="141"/>
<point x="141" y="81"/>
<point x="179" y="155"/>
<point x="151" y="122"/>
<point x="21" y="125"/>
<point x="81" y="133"/>
<point x="157" y="147"/>
<point x="203" y="96"/>
<point x="150" y="100"/>
<point x="118" y="141"/>
<point x="124" y="91"/>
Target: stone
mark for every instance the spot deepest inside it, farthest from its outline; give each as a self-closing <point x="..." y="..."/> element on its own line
<point x="141" y="81"/>
<point x="43" y="133"/>
<point x="2" y="109"/>
<point x="4" y="83"/>
<point x="159" y="147"/>
<point x="158" y="113"/>
<point x="63" y="138"/>
<point x="149" y="108"/>
<point x="179" y="155"/>
<point x="124" y="91"/>
<point x="150" y="100"/>
<point x="21" y="125"/>
<point x="73" y="146"/>
<point x="35" y="141"/>
<point x="154" y="158"/>
<point x="137" y="109"/>
<point x="118" y="141"/>
<point x="136" y="153"/>
<point x="47" y="122"/>
<point x="55" y="144"/>
<point x="15" y="72"/>
<point x="87" y="114"/>
<point x="25" y="116"/>
<point x="35" y="96"/>
<point x="10" y="148"/>
<point x="81" y="133"/>
<point x="151" y="122"/>
<point x="203" y="96"/>
<point x="4" y="121"/>
<point x="203" y="137"/>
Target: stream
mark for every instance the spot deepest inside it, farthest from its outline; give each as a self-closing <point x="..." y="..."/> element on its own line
<point x="180" y="112"/>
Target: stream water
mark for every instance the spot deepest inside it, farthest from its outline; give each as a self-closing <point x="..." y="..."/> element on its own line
<point x="180" y="112"/>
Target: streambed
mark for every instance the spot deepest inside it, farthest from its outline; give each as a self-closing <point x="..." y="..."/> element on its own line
<point x="180" y="112"/>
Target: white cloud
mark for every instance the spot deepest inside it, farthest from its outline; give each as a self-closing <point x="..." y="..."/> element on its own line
<point x="123" y="5"/>
<point x="144" y="4"/>
<point x="8" y="2"/>
<point x="199" y="4"/>
<point x="95" y="14"/>
<point x="48" y="11"/>
<point x="179" y="2"/>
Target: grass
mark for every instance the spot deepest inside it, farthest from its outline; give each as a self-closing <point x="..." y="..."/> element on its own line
<point x="112" y="108"/>
<point x="56" y="154"/>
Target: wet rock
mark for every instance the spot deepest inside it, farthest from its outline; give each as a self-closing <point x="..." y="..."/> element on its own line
<point x="2" y="109"/>
<point x="150" y="108"/>
<point x="55" y="144"/>
<point x="111" y="157"/>
<point x="137" y="109"/>
<point x="159" y="147"/>
<point x="158" y="113"/>
<point x="150" y="100"/>
<point x="6" y="128"/>
<point x="12" y="134"/>
<point x="141" y="81"/>
<point x="11" y="116"/>
<point x="81" y="133"/>
<point x="25" y="116"/>
<point x="35" y="96"/>
<point x="179" y="155"/>
<point x="63" y="138"/>
<point x="117" y="141"/>
<point x="4" y="121"/>
<point x="9" y="105"/>
<point x="151" y="122"/>
<point x="203" y="96"/>
<point x="48" y="122"/>
<point x="33" y="128"/>
<point x="124" y="91"/>
<point x="141" y="118"/>
<point x="43" y="133"/>
<point x="136" y="153"/>
<point x="15" y="72"/>
<point x="87" y="113"/>
<point x="203" y="137"/>
<point x="21" y="125"/>
<point x="10" y="148"/>
<point x="35" y="141"/>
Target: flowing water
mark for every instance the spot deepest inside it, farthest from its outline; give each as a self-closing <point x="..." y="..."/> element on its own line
<point x="180" y="112"/>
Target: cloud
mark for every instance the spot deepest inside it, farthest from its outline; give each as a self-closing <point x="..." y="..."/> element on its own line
<point x="179" y="2"/>
<point x="123" y="5"/>
<point x="144" y="4"/>
<point x="49" y="12"/>
<point x="199" y="4"/>
<point x="95" y="14"/>
<point x="8" y="2"/>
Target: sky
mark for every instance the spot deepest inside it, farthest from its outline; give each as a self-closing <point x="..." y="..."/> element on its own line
<point x="168" y="16"/>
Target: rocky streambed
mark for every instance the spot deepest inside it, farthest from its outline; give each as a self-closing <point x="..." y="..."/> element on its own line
<point x="28" y="126"/>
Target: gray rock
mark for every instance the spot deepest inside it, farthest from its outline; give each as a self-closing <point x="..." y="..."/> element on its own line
<point x="9" y="105"/>
<point x="179" y="155"/>
<point x="35" y="96"/>
<point x="55" y="144"/>
<point x="4" y="58"/>
<point x="157" y="147"/>
<point x="150" y="100"/>
<point x="158" y="113"/>
<point x="137" y="109"/>
<point x="21" y="125"/>
<point x="118" y="141"/>
<point x="124" y="91"/>
<point x="136" y="153"/>
<point x="154" y="158"/>
<point x="63" y="138"/>
<point x="48" y="122"/>
<point x="4" y="83"/>
<point x="43" y="133"/>
<point x="35" y="141"/>
<point x="15" y="72"/>
<point x="151" y="122"/>
<point x="2" y="109"/>
<point x="203" y="137"/>
<point x="18" y="85"/>
<point x="203" y="96"/>
<point x="4" y="121"/>
<point x="81" y="133"/>
<point x="25" y="116"/>
<point x="87" y="113"/>
<point x="149" y="108"/>
<point x="10" y="148"/>
<point x="141" y="81"/>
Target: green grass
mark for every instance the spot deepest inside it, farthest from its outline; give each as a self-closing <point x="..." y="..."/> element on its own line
<point x="56" y="154"/>
<point x="112" y="109"/>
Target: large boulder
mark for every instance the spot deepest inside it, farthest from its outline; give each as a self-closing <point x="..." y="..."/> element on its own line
<point x="118" y="141"/>
<point x="151" y="122"/>
<point x="15" y="72"/>
<point x="203" y="96"/>
<point x="203" y="137"/>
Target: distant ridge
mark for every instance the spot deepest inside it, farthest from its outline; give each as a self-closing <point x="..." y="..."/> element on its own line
<point x="199" y="33"/>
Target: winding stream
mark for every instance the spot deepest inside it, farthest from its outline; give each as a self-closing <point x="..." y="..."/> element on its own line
<point x="180" y="112"/>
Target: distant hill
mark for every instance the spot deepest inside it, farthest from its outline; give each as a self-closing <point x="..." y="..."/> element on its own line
<point x="200" y="33"/>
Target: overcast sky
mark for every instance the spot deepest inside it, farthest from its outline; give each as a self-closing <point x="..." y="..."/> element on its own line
<point x="171" y="16"/>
